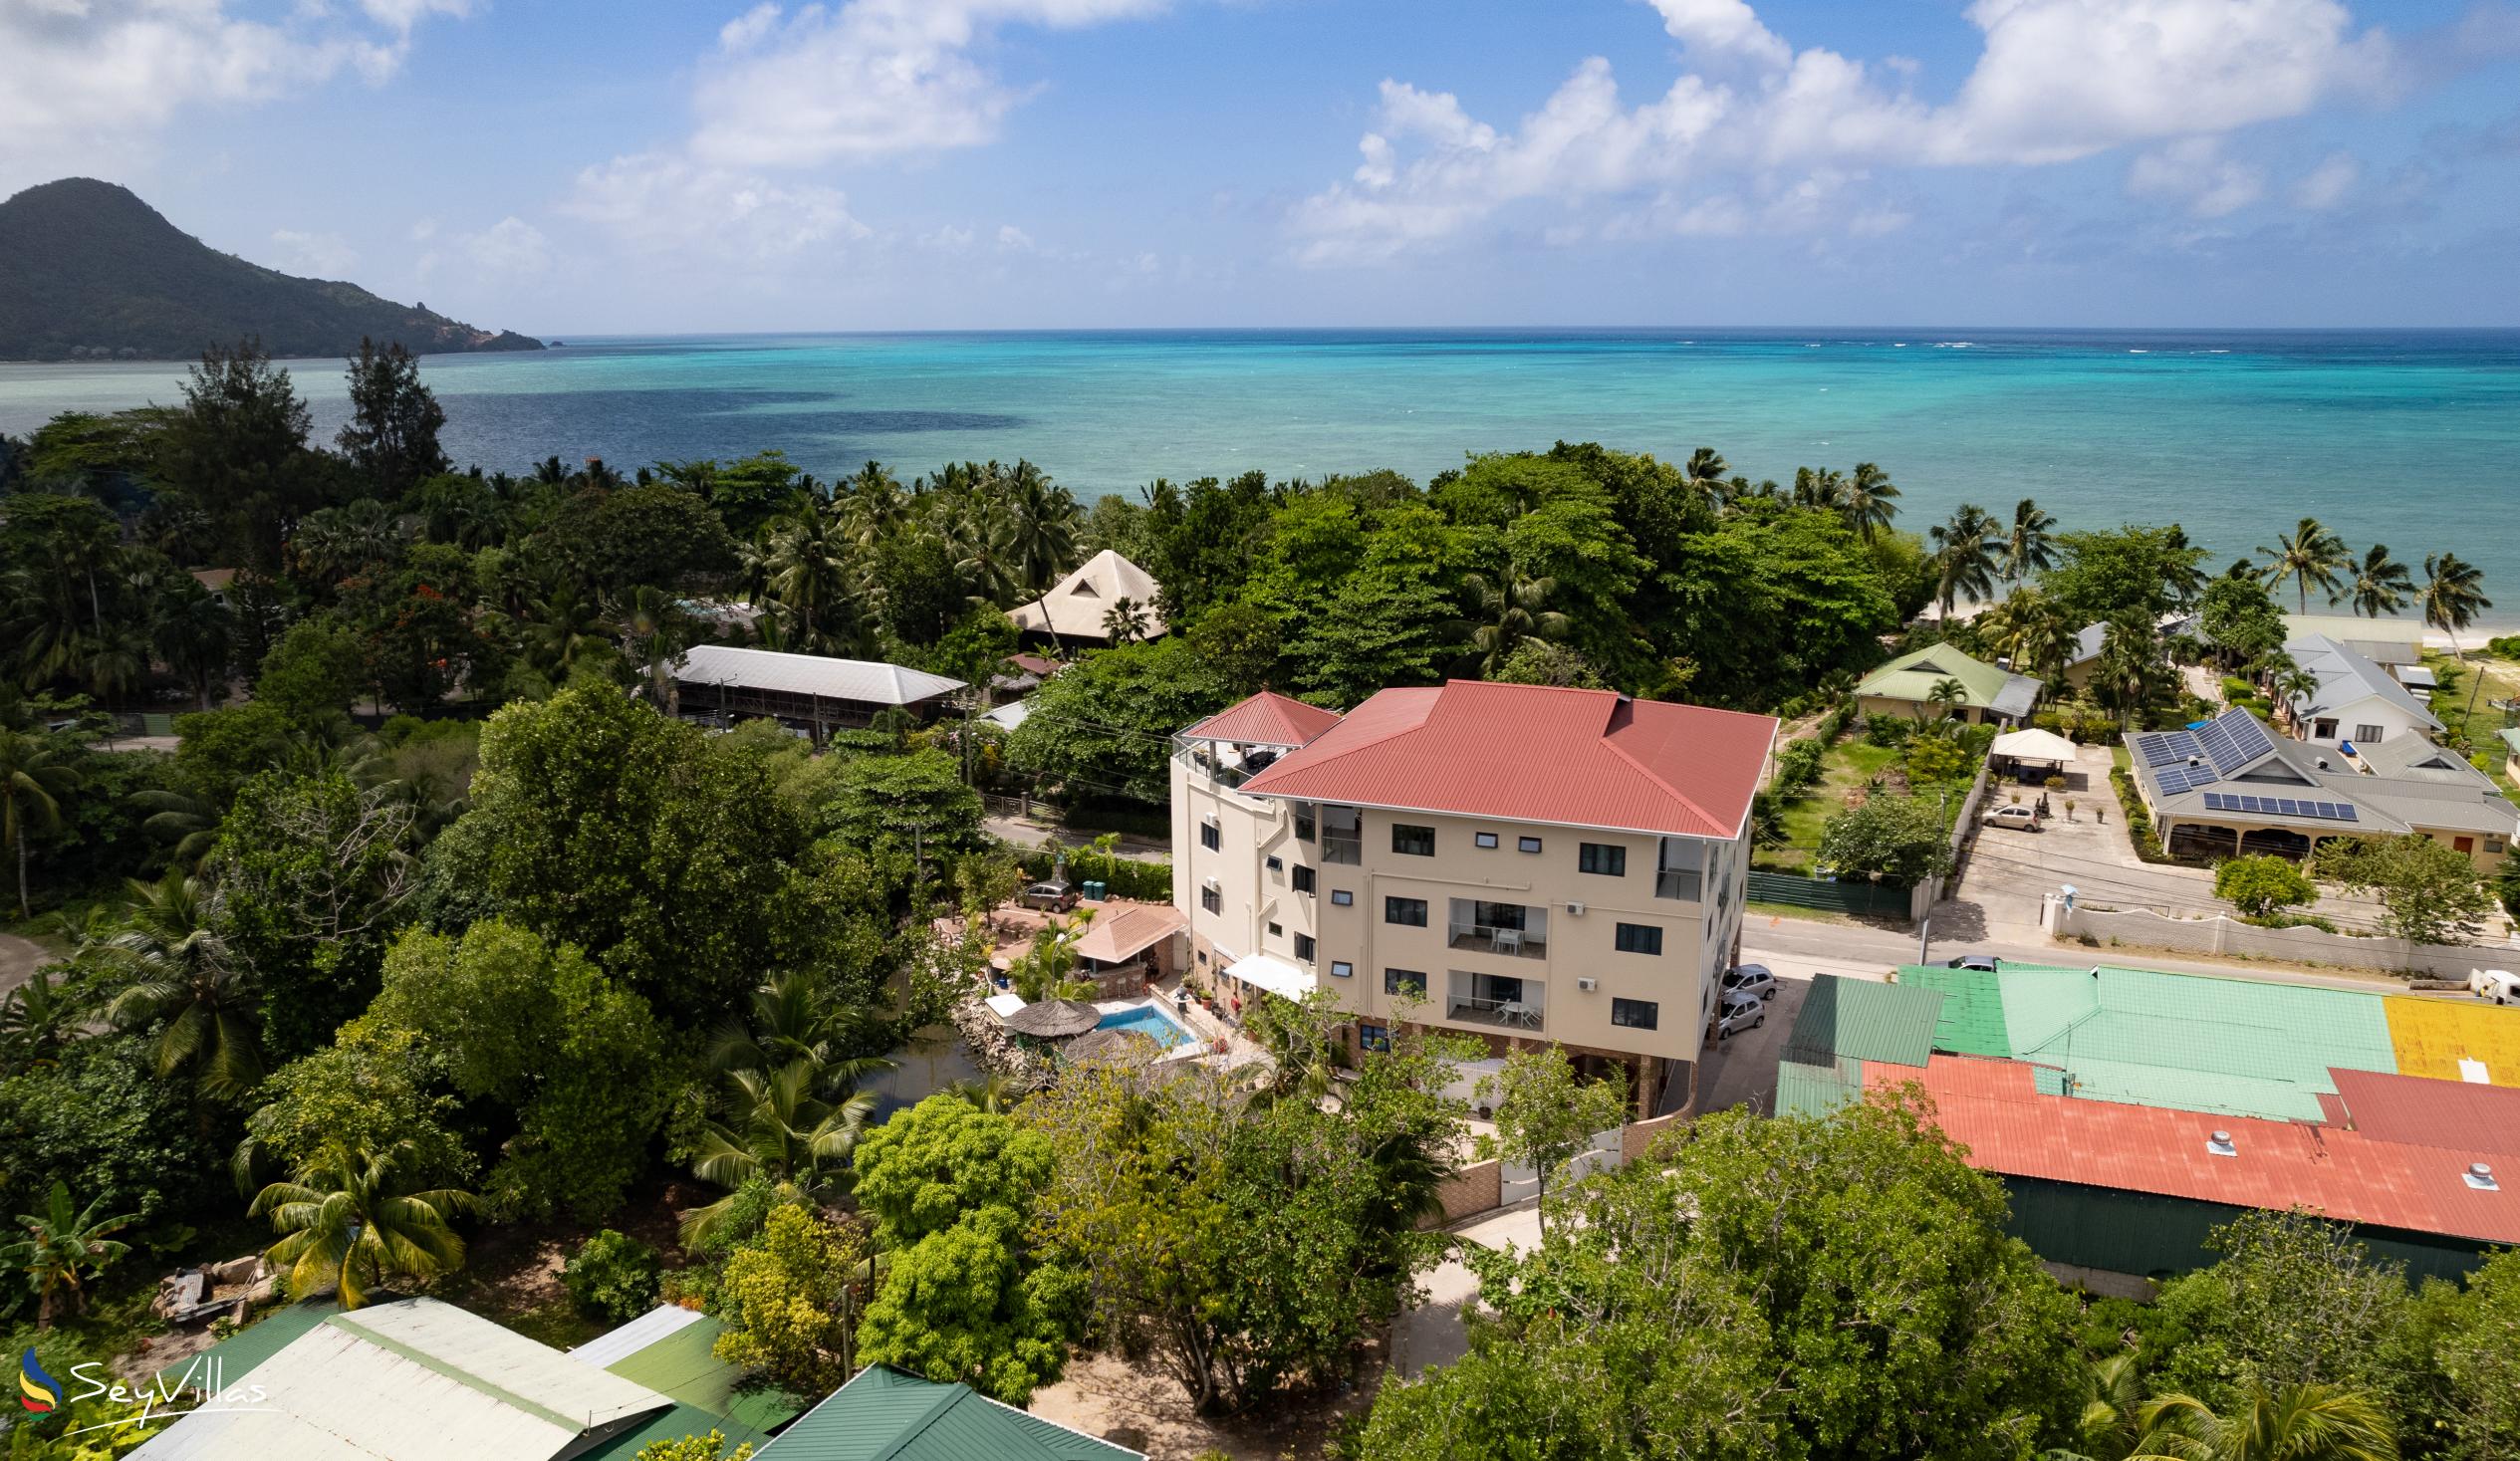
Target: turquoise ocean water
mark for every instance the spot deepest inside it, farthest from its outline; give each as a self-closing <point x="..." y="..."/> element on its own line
<point x="2411" y="438"/>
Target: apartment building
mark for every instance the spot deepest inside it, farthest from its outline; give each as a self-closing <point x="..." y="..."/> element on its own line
<point x="1524" y="863"/>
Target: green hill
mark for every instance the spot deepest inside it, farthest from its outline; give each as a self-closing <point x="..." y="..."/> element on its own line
<point x="89" y="271"/>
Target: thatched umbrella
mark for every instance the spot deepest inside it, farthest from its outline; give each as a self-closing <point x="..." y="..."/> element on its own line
<point x="1054" y="1018"/>
<point x="1113" y="1048"/>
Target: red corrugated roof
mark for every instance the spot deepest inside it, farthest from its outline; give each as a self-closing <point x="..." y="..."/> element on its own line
<point x="2453" y="1115"/>
<point x="1267" y="719"/>
<point x="1993" y="1107"/>
<point x="1536" y="753"/>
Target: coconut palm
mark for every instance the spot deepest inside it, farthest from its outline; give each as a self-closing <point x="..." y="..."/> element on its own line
<point x="1044" y="519"/>
<point x="871" y="505"/>
<point x="194" y="633"/>
<point x="2113" y="1403"/>
<point x="1964" y="554"/>
<point x="1706" y="473"/>
<point x="36" y="773"/>
<point x="2293" y="1423"/>
<point x="564" y="631"/>
<point x="1511" y="608"/>
<point x="2308" y="555"/>
<point x="2130" y="666"/>
<point x="794" y="1017"/>
<point x="1947" y="696"/>
<point x="997" y="1093"/>
<point x="350" y="1224"/>
<point x="2453" y="595"/>
<point x="2380" y="584"/>
<point x="1869" y="500"/>
<point x="771" y="1125"/>
<point x="62" y="1247"/>
<point x="2026" y="629"/>
<point x="2028" y="547"/>
<point x="1126" y="621"/>
<point x="655" y="630"/>
<point x="183" y="982"/>
<point x="807" y="576"/>
<point x="1820" y="488"/>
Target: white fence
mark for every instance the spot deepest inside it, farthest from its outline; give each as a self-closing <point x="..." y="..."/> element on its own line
<point x="2228" y="937"/>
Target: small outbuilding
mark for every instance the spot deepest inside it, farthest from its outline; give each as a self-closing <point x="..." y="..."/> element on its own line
<point x="1079" y="607"/>
<point x="812" y="694"/>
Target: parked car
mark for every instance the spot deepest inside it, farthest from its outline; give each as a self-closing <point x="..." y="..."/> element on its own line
<point x="2024" y="819"/>
<point x="1051" y="898"/>
<point x="1749" y="979"/>
<point x="2500" y="986"/>
<point x="1740" y="1012"/>
<point x="1982" y="963"/>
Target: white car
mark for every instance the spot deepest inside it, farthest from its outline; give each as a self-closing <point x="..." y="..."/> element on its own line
<point x="2500" y="986"/>
<point x="1750" y="979"/>
<point x="2025" y="818"/>
<point x="1740" y="1012"/>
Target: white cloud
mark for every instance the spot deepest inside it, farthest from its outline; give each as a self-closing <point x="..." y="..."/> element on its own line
<point x="95" y="79"/>
<point x="654" y="202"/>
<point x="2326" y="185"/>
<point x="511" y="247"/>
<point x="2054" y="81"/>
<point x="866" y="79"/>
<point x="1013" y="240"/>
<point x="2195" y="173"/>
<point x="324" y="255"/>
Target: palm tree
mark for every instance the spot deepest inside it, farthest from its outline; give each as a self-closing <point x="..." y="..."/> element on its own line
<point x="61" y="1248"/>
<point x="35" y="774"/>
<point x="1963" y="556"/>
<point x="1511" y="608"/>
<point x="1947" y="696"/>
<point x="2130" y="665"/>
<point x="37" y="1022"/>
<point x="1868" y="498"/>
<point x="2453" y="595"/>
<point x="1706" y="473"/>
<point x="350" y="1224"/>
<point x="2027" y="548"/>
<point x="181" y="978"/>
<point x="2382" y="583"/>
<point x="1818" y="488"/>
<point x="771" y="1125"/>
<point x="2293" y="1423"/>
<point x="2113" y="1403"/>
<point x="566" y="631"/>
<point x="1044" y="519"/>
<point x="794" y="1017"/>
<point x="1126" y="621"/>
<point x="2308" y="555"/>
<point x="808" y="576"/>
<point x="999" y="1093"/>
<point x="2027" y="631"/>
<point x="655" y="630"/>
<point x="194" y="633"/>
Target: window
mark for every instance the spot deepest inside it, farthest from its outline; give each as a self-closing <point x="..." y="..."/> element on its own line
<point x="1304" y="822"/>
<point x="2367" y="732"/>
<point x="1485" y="838"/>
<point x="1210" y="838"/>
<point x="1212" y="900"/>
<point x="1341" y="898"/>
<point x="1634" y="1014"/>
<point x="1404" y="981"/>
<point x="1304" y="947"/>
<point x="1639" y="938"/>
<point x="1276" y="864"/>
<point x="1608" y="859"/>
<point x="1409" y="911"/>
<point x="2323" y="730"/>
<point x="1416" y="841"/>
<point x="1372" y="1037"/>
<point x="1527" y="844"/>
<point x="2493" y="844"/>
<point x="1303" y="878"/>
<point x="1277" y="931"/>
<point x="1341" y="969"/>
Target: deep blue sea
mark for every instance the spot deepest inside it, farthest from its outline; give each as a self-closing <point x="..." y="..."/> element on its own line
<point x="2410" y="437"/>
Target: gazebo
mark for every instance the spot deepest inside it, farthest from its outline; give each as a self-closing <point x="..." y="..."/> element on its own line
<point x="1054" y="1018"/>
<point x="2031" y="756"/>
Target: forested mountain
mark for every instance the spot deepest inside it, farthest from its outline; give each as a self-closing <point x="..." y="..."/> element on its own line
<point x="87" y="269"/>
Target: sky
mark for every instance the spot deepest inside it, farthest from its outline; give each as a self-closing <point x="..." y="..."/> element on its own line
<point x="560" y="167"/>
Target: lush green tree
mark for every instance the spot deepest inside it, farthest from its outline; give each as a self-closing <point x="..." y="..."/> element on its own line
<point x="614" y="539"/>
<point x="218" y="751"/>
<point x="745" y="493"/>
<point x="2241" y="621"/>
<point x="538" y="1027"/>
<point x="1105" y="725"/>
<point x="896" y="802"/>
<point x="350" y="1224"/>
<point x="391" y="434"/>
<point x="313" y="672"/>
<point x="790" y="1301"/>
<point x="180" y="984"/>
<point x="614" y="1277"/>
<point x="1900" y="839"/>
<point x="311" y="875"/>
<point x="2130" y="570"/>
<point x="375" y="1089"/>
<point x="1539" y="662"/>
<point x="65" y="1246"/>
<point x="2311" y="555"/>
<point x="237" y="452"/>
<point x="1772" y="598"/>
<point x="97" y="1116"/>
<point x="710" y="1447"/>
<point x="2475" y="1350"/>
<point x="2134" y="672"/>
<point x="1204" y="539"/>
<point x="965" y="1297"/>
<point x="2430" y="893"/>
<point x="2259" y="887"/>
<point x="1546" y="1115"/>
<point x="2294" y="1301"/>
<point x="1374" y="635"/>
<point x="37" y="773"/>
<point x="920" y="598"/>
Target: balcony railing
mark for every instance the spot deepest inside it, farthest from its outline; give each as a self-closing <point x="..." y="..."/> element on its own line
<point x="1501" y="1014"/>
<point x="1529" y="944"/>
<point x="1684" y="884"/>
<point x="1348" y="849"/>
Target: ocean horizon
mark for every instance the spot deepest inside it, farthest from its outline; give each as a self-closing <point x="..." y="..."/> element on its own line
<point x="2410" y="438"/>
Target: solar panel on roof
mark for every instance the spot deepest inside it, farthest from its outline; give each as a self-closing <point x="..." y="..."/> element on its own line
<point x="2233" y="741"/>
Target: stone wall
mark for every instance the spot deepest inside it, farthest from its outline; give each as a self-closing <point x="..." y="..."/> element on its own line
<point x="2227" y="937"/>
<point x="1473" y="1189"/>
<point x="1635" y="1137"/>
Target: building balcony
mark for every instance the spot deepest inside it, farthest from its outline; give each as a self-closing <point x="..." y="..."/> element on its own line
<point x="1686" y="886"/>
<point x="1336" y="849"/>
<point x="1482" y="939"/>
<point x="1496" y="1002"/>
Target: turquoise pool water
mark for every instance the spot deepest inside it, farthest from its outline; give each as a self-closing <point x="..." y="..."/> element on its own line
<point x="1149" y="1020"/>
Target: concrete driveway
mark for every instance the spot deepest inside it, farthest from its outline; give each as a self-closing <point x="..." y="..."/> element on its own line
<point x="1431" y="1332"/>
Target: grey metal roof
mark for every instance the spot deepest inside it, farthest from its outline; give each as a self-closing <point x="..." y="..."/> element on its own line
<point x="2087" y="645"/>
<point x="2347" y="678"/>
<point x="866" y="681"/>
<point x="2411" y="784"/>
<point x="2018" y="696"/>
<point x="637" y="1334"/>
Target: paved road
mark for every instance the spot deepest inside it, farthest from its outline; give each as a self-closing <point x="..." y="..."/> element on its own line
<point x="1812" y="946"/>
<point x="1025" y="832"/>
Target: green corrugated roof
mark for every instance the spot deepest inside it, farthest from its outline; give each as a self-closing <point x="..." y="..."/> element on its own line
<point x="1816" y="1091"/>
<point x="241" y="1352"/>
<point x="1971" y="1021"/>
<point x="885" y="1414"/>
<point x="1912" y="675"/>
<point x="674" y="1425"/>
<point x="1866" y="1019"/>
<point x="684" y="1364"/>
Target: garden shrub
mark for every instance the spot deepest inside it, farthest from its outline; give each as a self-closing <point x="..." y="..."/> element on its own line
<point x="1888" y="730"/>
<point x="614" y="1277"/>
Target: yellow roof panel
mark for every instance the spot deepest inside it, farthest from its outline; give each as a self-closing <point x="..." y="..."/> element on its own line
<point x="2433" y="1036"/>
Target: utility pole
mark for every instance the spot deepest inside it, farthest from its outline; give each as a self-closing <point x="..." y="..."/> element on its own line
<point x="1924" y="938"/>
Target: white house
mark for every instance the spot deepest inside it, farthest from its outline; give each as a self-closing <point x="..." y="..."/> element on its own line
<point x="2357" y="700"/>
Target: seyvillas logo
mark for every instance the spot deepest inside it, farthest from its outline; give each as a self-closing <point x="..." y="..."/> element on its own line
<point x="37" y="1390"/>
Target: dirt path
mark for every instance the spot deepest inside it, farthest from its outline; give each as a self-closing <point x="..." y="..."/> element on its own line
<point x="19" y="959"/>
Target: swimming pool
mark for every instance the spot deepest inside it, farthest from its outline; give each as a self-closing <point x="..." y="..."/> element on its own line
<point x="1150" y="1020"/>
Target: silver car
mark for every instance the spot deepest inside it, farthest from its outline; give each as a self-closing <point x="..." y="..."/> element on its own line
<point x="1740" y="1012"/>
<point x="1750" y="979"/>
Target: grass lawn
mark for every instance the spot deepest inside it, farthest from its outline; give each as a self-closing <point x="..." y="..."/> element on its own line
<point x="1849" y="764"/>
<point x="2502" y="682"/>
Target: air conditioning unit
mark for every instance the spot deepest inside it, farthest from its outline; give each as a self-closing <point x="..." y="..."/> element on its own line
<point x="1575" y="909"/>
<point x="1588" y="985"/>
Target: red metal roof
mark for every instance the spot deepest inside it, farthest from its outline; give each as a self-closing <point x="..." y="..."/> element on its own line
<point x="2452" y="1115"/>
<point x="1267" y="719"/>
<point x="1993" y="1108"/>
<point x="1536" y="753"/>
